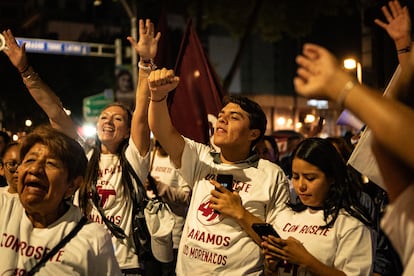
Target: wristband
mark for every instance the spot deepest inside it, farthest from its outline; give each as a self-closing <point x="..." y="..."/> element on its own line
<point x="157" y="101"/>
<point x="344" y="92"/>
<point x="25" y="68"/>
<point x="147" y="65"/>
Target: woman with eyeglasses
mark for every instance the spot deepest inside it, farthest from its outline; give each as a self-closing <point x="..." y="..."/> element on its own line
<point x="10" y="160"/>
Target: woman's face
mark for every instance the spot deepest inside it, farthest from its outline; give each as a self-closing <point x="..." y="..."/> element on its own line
<point x="43" y="182"/>
<point x="11" y="161"/>
<point x="124" y="83"/>
<point x="309" y="182"/>
<point x="113" y="126"/>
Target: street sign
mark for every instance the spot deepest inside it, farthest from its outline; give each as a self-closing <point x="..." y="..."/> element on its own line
<point x="59" y="47"/>
<point x="93" y="105"/>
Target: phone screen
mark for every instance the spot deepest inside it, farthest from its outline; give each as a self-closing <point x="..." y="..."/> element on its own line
<point x="265" y="229"/>
<point x="226" y="180"/>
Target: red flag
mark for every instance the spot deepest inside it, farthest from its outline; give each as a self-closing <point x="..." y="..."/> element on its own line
<point x="199" y="92"/>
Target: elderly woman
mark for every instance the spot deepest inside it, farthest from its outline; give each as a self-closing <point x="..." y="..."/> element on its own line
<point x="32" y="224"/>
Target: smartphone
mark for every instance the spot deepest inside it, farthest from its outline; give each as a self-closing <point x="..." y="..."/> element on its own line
<point x="265" y="229"/>
<point x="226" y="180"/>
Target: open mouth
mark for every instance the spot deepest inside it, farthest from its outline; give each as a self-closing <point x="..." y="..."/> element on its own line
<point x="36" y="187"/>
<point x="220" y="130"/>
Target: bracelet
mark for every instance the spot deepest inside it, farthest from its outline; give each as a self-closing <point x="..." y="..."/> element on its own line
<point x="147" y="65"/>
<point x="404" y="50"/>
<point x="344" y="92"/>
<point x="25" y="69"/>
<point x="30" y="75"/>
<point x="157" y="101"/>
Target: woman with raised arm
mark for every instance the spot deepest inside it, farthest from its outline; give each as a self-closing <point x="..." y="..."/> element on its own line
<point x="123" y="141"/>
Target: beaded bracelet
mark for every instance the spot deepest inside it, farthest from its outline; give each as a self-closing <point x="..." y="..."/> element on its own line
<point x="344" y="92"/>
<point x="147" y="65"/>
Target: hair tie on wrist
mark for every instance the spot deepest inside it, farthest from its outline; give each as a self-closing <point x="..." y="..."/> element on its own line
<point x="25" y="69"/>
<point x="157" y="101"/>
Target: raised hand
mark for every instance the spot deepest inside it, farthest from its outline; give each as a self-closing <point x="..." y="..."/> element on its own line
<point x="161" y="82"/>
<point x="147" y="45"/>
<point x="319" y="74"/>
<point x="15" y="53"/>
<point x="398" y="25"/>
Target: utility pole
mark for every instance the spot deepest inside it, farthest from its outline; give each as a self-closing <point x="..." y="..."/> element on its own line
<point x="134" y="34"/>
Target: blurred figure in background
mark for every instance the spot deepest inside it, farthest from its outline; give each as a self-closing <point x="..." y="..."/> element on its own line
<point x="11" y="160"/>
<point x="4" y="141"/>
<point x="267" y="149"/>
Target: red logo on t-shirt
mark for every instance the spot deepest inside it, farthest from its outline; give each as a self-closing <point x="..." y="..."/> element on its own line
<point x="206" y="214"/>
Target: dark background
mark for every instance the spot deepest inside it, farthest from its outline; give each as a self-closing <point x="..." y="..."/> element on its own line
<point x="74" y="78"/>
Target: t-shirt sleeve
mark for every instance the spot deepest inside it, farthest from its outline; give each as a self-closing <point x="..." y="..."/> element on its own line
<point x="354" y="255"/>
<point x="139" y="163"/>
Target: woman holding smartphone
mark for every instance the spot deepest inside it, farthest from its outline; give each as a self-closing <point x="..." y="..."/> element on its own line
<point x="327" y="231"/>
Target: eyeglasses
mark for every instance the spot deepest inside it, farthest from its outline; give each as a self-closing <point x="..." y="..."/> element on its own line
<point x="12" y="165"/>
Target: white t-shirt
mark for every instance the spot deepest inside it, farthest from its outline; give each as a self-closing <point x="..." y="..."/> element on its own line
<point x="398" y="224"/>
<point x="210" y="244"/>
<point x="22" y="246"/>
<point x="164" y="172"/>
<point x="110" y="188"/>
<point x="347" y="246"/>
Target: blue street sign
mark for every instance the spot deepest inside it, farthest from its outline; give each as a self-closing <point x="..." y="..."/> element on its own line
<point x="55" y="46"/>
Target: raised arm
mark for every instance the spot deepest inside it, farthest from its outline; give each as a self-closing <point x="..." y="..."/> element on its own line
<point x="40" y="91"/>
<point x="320" y="76"/>
<point x="161" y="82"/>
<point x="398" y="28"/>
<point x="146" y="48"/>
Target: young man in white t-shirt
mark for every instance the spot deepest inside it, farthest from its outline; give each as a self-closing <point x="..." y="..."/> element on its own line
<point x="217" y="237"/>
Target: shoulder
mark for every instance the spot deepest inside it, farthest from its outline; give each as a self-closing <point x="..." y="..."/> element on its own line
<point x="200" y="149"/>
<point x="347" y="222"/>
<point x="8" y="199"/>
<point x="94" y="235"/>
<point x="273" y="169"/>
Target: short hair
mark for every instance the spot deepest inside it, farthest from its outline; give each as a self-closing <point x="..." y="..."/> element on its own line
<point x="64" y="148"/>
<point x="256" y="115"/>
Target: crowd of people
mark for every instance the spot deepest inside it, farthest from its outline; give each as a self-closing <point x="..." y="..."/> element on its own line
<point x="73" y="208"/>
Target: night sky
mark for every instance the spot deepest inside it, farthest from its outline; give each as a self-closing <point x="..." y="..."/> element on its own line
<point x="74" y="78"/>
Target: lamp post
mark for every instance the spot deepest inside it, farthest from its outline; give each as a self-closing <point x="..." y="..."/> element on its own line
<point x="346" y="117"/>
<point x="350" y="64"/>
<point x="134" y="34"/>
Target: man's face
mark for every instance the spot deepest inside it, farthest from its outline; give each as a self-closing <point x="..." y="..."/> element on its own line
<point x="233" y="128"/>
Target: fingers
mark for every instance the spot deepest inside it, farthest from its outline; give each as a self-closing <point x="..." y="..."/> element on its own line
<point x="162" y="81"/>
<point x="380" y="23"/>
<point x="161" y="77"/>
<point x="149" y="26"/>
<point x="393" y="10"/>
<point x="132" y="41"/>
